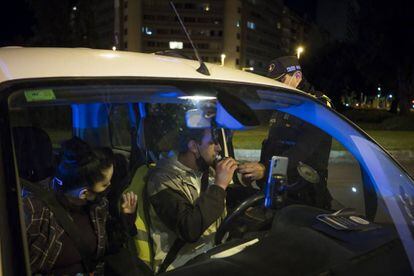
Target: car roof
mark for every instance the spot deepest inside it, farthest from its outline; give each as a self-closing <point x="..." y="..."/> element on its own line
<point x="28" y="63"/>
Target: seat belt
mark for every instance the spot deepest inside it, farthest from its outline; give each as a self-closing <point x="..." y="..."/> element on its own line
<point x="177" y="245"/>
<point x="64" y="219"/>
<point x="171" y="255"/>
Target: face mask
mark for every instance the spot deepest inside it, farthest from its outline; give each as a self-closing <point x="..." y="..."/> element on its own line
<point x="292" y="78"/>
<point x="290" y="81"/>
<point x="99" y="196"/>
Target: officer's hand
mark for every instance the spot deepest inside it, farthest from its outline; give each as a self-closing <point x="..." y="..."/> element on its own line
<point x="224" y="172"/>
<point x="252" y="170"/>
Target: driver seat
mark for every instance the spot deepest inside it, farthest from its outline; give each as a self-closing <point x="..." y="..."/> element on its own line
<point x="153" y="151"/>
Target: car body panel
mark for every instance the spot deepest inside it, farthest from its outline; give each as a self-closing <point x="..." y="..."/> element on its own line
<point x="25" y="63"/>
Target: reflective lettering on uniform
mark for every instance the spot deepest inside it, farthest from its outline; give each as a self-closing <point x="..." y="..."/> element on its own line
<point x="291" y="68"/>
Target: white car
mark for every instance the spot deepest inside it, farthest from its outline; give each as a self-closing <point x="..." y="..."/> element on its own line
<point x="136" y="104"/>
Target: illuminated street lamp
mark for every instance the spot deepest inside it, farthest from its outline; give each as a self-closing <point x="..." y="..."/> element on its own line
<point x="247" y="68"/>
<point x="299" y="51"/>
<point x="223" y="56"/>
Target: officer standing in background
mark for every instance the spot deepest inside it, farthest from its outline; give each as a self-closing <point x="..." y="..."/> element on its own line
<point x="292" y="137"/>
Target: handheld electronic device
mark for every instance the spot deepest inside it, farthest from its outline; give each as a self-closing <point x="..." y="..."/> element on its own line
<point x="277" y="176"/>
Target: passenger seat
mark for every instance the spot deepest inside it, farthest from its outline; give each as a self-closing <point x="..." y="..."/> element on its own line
<point x="34" y="154"/>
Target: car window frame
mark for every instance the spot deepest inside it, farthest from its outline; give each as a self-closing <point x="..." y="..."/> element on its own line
<point x="8" y="87"/>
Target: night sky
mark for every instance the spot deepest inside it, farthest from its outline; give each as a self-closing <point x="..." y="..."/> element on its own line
<point x="16" y="20"/>
<point x="305" y="8"/>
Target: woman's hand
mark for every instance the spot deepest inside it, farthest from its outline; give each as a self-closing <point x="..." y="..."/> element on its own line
<point x="129" y="203"/>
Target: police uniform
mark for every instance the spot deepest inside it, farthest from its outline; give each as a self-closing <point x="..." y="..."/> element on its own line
<point x="299" y="141"/>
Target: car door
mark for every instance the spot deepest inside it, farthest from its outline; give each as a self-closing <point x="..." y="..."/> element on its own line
<point x="14" y="258"/>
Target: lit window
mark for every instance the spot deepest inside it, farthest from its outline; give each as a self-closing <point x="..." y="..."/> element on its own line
<point x="238" y="24"/>
<point x="176" y="45"/>
<point x="279" y="25"/>
<point x="251" y="25"/>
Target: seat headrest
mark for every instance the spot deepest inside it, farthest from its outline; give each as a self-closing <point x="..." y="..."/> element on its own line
<point x="34" y="153"/>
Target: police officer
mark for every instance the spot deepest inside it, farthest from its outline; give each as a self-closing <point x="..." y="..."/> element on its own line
<point x="299" y="141"/>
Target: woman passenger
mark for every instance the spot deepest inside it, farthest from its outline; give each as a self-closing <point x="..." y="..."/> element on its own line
<point x="80" y="184"/>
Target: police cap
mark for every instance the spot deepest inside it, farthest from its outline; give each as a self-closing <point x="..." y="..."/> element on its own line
<point x="283" y="65"/>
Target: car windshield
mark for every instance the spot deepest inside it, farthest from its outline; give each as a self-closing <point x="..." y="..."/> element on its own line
<point x="142" y="121"/>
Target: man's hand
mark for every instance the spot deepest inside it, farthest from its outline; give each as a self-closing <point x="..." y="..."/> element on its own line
<point x="252" y="170"/>
<point x="129" y="203"/>
<point x="224" y="172"/>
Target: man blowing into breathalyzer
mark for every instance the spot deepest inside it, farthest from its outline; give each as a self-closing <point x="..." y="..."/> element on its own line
<point x="188" y="204"/>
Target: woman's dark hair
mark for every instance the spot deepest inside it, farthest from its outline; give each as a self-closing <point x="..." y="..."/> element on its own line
<point x="81" y="166"/>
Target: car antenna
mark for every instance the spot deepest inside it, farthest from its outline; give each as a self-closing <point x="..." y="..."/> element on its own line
<point x="203" y="68"/>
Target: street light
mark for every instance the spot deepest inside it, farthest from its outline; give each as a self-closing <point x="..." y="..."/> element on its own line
<point x="299" y="51"/>
<point x="247" y="68"/>
<point x="223" y="56"/>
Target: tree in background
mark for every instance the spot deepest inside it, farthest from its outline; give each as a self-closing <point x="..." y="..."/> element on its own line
<point x="381" y="53"/>
<point x="333" y="70"/>
<point x="386" y="46"/>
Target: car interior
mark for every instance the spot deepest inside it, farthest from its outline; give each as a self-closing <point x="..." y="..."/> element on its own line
<point x="141" y="121"/>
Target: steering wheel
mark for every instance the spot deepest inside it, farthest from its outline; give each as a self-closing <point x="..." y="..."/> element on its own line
<point x="228" y="221"/>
